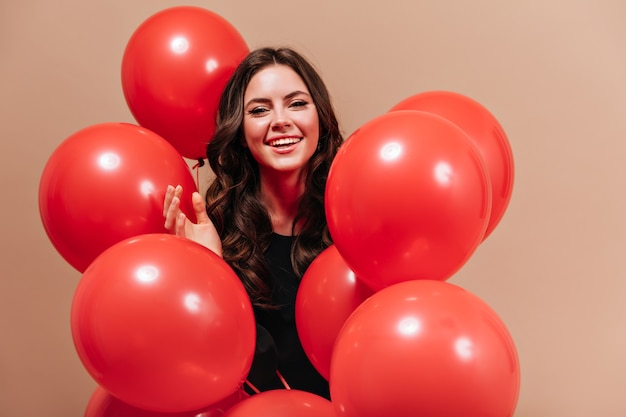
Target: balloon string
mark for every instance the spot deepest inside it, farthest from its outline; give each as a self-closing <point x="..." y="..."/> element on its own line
<point x="196" y="168"/>
<point x="282" y="380"/>
<point x="252" y="387"/>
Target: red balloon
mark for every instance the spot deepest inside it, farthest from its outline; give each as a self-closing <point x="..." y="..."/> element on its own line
<point x="174" y="69"/>
<point x="485" y="132"/>
<point x="328" y="293"/>
<point x="103" y="404"/>
<point x="424" y="348"/>
<point x="282" y="403"/>
<point x="407" y="197"/>
<point x="163" y="324"/>
<point x="107" y="183"/>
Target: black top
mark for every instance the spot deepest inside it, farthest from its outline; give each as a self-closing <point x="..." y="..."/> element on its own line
<point x="277" y="338"/>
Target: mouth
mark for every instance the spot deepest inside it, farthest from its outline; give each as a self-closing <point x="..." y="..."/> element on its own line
<point x="283" y="142"/>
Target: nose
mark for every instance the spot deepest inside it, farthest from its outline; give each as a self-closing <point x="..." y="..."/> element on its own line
<point x="280" y="121"/>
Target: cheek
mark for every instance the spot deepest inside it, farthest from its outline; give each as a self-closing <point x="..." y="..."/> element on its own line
<point x="313" y="134"/>
<point x="316" y="129"/>
<point x="310" y="125"/>
<point x="253" y="130"/>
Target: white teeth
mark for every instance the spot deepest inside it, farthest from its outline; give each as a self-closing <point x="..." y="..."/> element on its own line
<point x="284" y="141"/>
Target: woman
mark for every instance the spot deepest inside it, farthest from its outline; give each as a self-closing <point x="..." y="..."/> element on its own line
<point x="276" y="136"/>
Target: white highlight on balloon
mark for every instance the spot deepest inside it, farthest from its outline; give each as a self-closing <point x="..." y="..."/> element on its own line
<point x="109" y="161"/>
<point x="147" y="274"/>
<point x="391" y="151"/>
<point x="192" y="302"/>
<point x="464" y="348"/>
<point x="443" y="173"/>
<point x="179" y="45"/>
<point x="146" y="188"/>
<point x="211" y="65"/>
<point x="409" y="326"/>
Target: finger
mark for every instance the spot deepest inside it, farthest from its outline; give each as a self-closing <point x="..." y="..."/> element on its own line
<point x="199" y="207"/>
<point x="173" y="211"/>
<point x="178" y="191"/>
<point x="169" y="194"/>
<point x="180" y="224"/>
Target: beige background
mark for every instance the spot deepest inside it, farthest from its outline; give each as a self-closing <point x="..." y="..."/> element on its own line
<point x="551" y="71"/>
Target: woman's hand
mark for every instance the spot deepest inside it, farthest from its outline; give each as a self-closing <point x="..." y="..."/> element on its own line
<point x="176" y="222"/>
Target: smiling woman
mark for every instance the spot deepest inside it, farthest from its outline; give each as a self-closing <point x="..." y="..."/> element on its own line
<point x="276" y="137"/>
<point x="281" y="126"/>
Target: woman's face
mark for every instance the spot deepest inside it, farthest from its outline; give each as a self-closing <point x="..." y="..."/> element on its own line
<point x="280" y="122"/>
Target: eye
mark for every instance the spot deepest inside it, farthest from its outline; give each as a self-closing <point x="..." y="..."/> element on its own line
<point x="257" y="111"/>
<point x="299" y="103"/>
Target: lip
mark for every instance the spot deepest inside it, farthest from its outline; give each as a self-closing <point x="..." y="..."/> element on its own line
<point x="273" y="138"/>
<point x="286" y="148"/>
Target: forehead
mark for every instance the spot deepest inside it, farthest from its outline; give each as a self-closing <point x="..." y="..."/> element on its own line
<point x="275" y="80"/>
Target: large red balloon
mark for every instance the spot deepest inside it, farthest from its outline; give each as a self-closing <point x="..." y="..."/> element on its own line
<point x="282" y="403"/>
<point x="407" y="197"/>
<point x="103" y="404"/>
<point x="328" y="293"/>
<point x="424" y="348"/>
<point x="106" y="183"/>
<point x="485" y="132"/>
<point x="174" y="69"/>
<point x="163" y="324"/>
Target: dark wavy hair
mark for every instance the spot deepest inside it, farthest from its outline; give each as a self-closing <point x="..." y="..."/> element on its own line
<point x="233" y="202"/>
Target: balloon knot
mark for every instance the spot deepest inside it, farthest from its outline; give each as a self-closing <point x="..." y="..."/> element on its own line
<point x="200" y="163"/>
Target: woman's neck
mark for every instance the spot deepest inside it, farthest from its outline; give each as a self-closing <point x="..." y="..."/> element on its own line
<point x="281" y="196"/>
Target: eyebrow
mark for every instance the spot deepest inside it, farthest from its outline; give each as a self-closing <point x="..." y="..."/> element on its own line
<point x="287" y="97"/>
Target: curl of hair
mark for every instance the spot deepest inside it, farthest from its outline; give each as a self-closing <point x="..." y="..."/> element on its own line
<point x="233" y="202"/>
